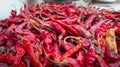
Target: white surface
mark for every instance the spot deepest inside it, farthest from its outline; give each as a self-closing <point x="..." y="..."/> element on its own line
<point x="7" y="5"/>
<point x="115" y="6"/>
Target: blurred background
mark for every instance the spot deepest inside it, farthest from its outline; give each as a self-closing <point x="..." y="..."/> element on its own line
<point x="8" y="5"/>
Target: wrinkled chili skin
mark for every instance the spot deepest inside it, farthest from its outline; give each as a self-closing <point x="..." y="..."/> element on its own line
<point x="81" y="59"/>
<point x="60" y="35"/>
<point x="20" y="52"/>
<point x="72" y="62"/>
<point x="29" y="49"/>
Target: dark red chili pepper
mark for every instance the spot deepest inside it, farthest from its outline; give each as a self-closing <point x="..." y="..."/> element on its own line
<point x="29" y="50"/>
<point x="115" y="64"/>
<point x="14" y="20"/>
<point x="72" y="50"/>
<point x="45" y="62"/>
<point x="117" y="31"/>
<point x="90" y="61"/>
<point x="26" y="61"/>
<point x="118" y="46"/>
<point x="110" y="56"/>
<point x="67" y="27"/>
<point x="13" y="13"/>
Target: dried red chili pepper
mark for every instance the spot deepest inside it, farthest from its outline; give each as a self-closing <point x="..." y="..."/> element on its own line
<point x="38" y="46"/>
<point x="82" y="31"/>
<point x="67" y="27"/>
<point x="44" y="36"/>
<point x="13" y="13"/>
<point x="71" y="51"/>
<point x="4" y="64"/>
<point x="20" y="52"/>
<point x="81" y="58"/>
<point x="90" y="61"/>
<point x="70" y="21"/>
<point x="66" y="45"/>
<point x="100" y="60"/>
<point x="59" y="29"/>
<point x="26" y="61"/>
<point x="93" y="28"/>
<point x="8" y="58"/>
<point x="72" y="62"/>
<point x="57" y="52"/>
<point x="89" y="21"/>
<point x="48" y="44"/>
<point x="29" y="50"/>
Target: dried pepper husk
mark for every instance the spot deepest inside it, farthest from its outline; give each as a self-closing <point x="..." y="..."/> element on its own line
<point x="60" y="35"/>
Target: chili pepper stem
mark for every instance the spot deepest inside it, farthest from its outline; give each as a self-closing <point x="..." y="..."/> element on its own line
<point x="99" y="51"/>
<point x="77" y="38"/>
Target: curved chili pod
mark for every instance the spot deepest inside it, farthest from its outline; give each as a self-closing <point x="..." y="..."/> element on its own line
<point x="29" y="50"/>
<point x="68" y="27"/>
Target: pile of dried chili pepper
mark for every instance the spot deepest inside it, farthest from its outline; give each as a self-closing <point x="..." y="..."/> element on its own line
<point x="60" y="35"/>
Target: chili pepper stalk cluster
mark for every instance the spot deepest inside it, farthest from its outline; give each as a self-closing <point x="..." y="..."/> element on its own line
<point x="60" y="35"/>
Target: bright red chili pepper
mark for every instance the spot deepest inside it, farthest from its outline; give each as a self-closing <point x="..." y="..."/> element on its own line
<point x="8" y="58"/>
<point x="72" y="50"/>
<point x="47" y="35"/>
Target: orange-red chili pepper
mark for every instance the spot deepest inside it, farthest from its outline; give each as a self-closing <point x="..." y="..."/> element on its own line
<point x="72" y="51"/>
